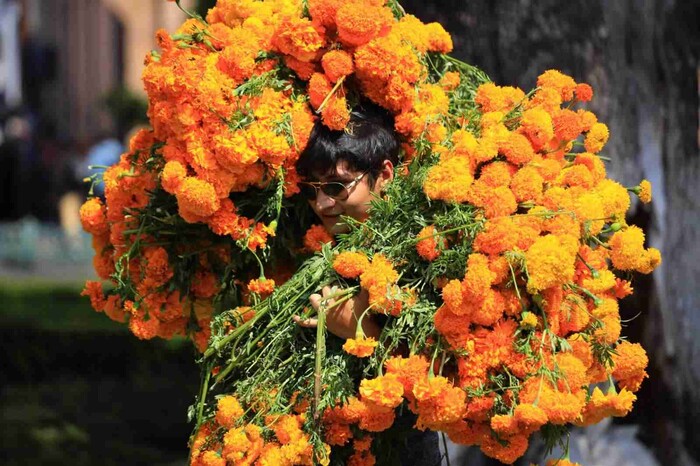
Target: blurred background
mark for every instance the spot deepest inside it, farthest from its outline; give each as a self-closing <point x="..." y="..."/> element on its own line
<point x="78" y="388"/>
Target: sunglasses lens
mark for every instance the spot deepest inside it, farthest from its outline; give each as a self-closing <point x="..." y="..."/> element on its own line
<point x="307" y="190"/>
<point x="334" y="190"/>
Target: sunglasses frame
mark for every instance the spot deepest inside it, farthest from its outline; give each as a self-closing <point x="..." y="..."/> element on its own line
<point x="347" y="187"/>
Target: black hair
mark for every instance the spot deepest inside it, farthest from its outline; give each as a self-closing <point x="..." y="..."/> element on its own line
<point x="364" y="145"/>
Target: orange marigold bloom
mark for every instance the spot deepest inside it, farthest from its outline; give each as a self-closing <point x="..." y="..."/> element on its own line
<point x="450" y="80"/>
<point x="529" y="417"/>
<point x="429" y="243"/>
<point x="360" y="347"/>
<point x="357" y="26"/>
<point x="517" y="149"/>
<point x="315" y="237"/>
<point x="561" y="462"/>
<point x="527" y="184"/>
<point x="408" y="370"/>
<point x="336" y="114"/>
<point x="629" y="365"/>
<point x="197" y="197"/>
<point x="515" y="447"/>
<point x="93" y="217"/>
<point x="228" y="411"/>
<point x="600" y="406"/>
<point x="337" y="64"/>
<point x="496" y="173"/>
<point x="350" y="264"/>
<point x="299" y="38"/>
<point x="504" y="424"/>
<point x="596" y="138"/>
<point x="583" y="92"/>
<point x="384" y="390"/>
<point x="493" y="98"/>
<point x="567" y="125"/>
<point x="562" y="83"/>
<point x="303" y="69"/>
<point x="439" y="40"/>
<point x="262" y="286"/>
<point x="319" y="88"/>
<point x="93" y="290"/>
<point x="439" y="402"/>
<point x="143" y="327"/>
<point x="324" y="11"/>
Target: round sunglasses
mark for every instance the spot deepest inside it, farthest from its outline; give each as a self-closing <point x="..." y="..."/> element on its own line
<point x="333" y="189"/>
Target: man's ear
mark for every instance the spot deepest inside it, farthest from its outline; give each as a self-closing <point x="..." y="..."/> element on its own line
<point x="386" y="174"/>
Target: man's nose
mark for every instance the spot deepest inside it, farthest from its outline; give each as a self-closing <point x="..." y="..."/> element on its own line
<point x="324" y="201"/>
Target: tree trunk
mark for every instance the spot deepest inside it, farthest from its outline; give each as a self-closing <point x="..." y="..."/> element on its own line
<point x="642" y="59"/>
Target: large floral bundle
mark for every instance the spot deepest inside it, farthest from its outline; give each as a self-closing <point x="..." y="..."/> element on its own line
<point x="497" y="256"/>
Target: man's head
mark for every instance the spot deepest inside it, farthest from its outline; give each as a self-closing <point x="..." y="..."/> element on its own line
<point x="361" y="159"/>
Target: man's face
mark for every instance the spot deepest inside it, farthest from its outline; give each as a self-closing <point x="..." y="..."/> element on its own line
<point x="330" y="210"/>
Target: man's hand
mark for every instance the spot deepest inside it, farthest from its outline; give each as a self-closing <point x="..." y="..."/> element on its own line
<point x="341" y="319"/>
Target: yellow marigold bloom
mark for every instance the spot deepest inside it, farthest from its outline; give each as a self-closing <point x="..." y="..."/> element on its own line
<point x="427" y="244"/>
<point x="588" y="119"/>
<point x="360" y="347"/>
<point x="561" y="462"/>
<point x="546" y="98"/>
<point x="644" y="191"/>
<point x="596" y="138"/>
<point x="384" y="390"/>
<point x="350" y="264"/>
<point x="600" y="406"/>
<point x="439" y="40"/>
<point x="605" y="281"/>
<point x="448" y="180"/>
<point x="228" y="411"/>
<point x="504" y="424"/>
<point x="550" y="261"/>
<point x="172" y="176"/>
<point x="528" y="321"/>
<point x="616" y="199"/>
<point x="627" y="248"/>
<point x="562" y="83"/>
<point x="652" y="259"/>
<point x="93" y="217"/>
<point x="536" y="125"/>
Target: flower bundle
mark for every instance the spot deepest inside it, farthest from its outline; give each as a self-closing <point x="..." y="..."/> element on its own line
<point x="496" y="259"/>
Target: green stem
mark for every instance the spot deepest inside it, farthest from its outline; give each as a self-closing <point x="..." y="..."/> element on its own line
<point x="320" y="354"/>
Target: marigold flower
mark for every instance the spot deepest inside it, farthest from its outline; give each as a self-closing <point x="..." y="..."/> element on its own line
<point x="567" y="125"/>
<point x="493" y="98"/>
<point x="316" y="236"/>
<point x="515" y="447"/>
<point x="360" y="347"/>
<point x="228" y="411"/>
<point x="262" y="286"/>
<point x="550" y="261"/>
<point x="197" y="197"/>
<point x="583" y="92"/>
<point x="384" y="390"/>
<point x="93" y="217"/>
<point x="299" y="38"/>
<point x="93" y="290"/>
<point x="429" y="243"/>
<point x="408" y="370"/>
<point x="337" y="64"/>
<point x="529" y="417"/>
<point x="357" y="26"/>
<point x="450" y="80"/>
<point x="629" y="364"/>
<point x="561" y="462"/>
<point x="448" y="181"/>
<point x="596" y="138"/>
<point x="350" y="264"/>
<point x="336" y="114"/>
<point x="644" y="191"/>
<point x="318" y="89"/>
<point x="562" y="83"/>
<point x="536" y="125"/>
<point x="627" y="248"/>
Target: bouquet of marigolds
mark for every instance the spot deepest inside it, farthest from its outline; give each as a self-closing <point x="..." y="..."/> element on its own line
<point x="496" y="257"/>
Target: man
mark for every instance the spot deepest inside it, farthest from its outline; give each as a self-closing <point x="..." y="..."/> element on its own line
<point x="343" y="172"/>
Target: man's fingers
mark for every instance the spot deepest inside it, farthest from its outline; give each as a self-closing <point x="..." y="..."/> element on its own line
<point x="315" y="300"/>
<point x="309" y="323"/>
